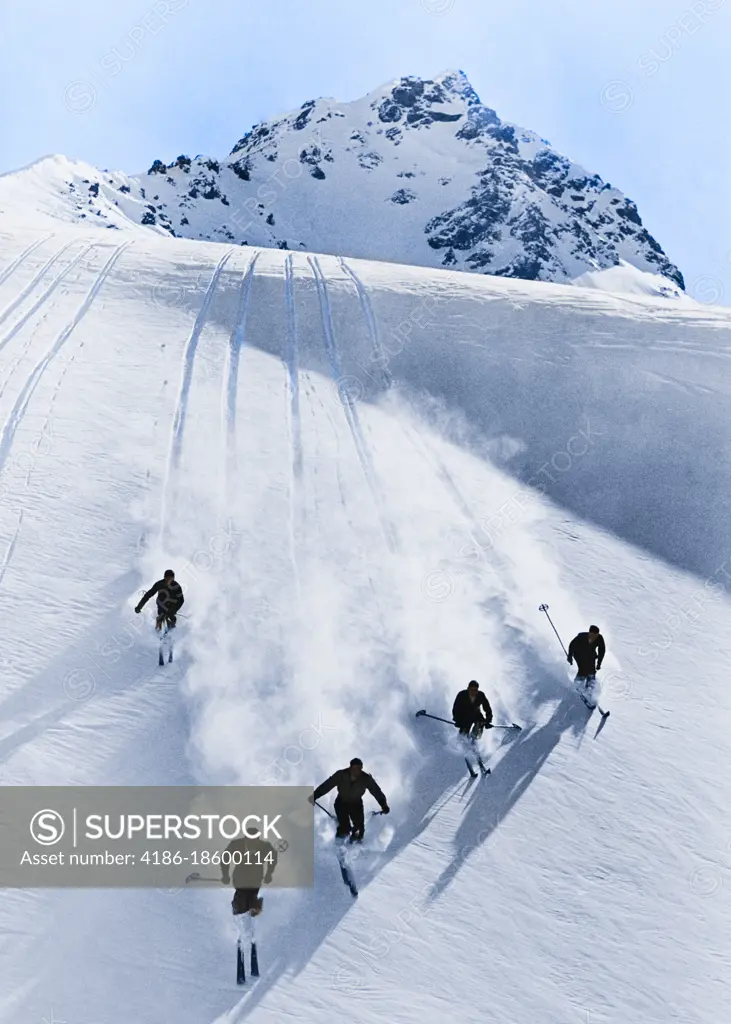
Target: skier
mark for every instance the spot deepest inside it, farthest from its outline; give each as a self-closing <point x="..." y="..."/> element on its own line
<point x="467" y="711"/>
<point x="253" y="861"/>
<point x="352" y="782"/>
<point x="588" y="649"/>
<point x="169" y="600"/>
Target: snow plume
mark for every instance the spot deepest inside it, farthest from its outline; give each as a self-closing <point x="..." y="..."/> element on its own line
<point x="314" y="646"/>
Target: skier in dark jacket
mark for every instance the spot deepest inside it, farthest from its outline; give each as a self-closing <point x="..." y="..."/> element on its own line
<point x="588" y="649"/>
<point x="467" y="711"/>
<point x="251" y="861"/>
<point x="352" y="783"/>
<point x="169" y="600"/>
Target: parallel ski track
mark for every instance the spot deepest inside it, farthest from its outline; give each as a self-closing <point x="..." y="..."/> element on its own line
<point x="181" y="411"/>
<point x="237" y="341"/>
<point x="295" y="420"/>
<point x="381" y="360"/>
<point x="25" y="292"/>
<point x="22" y="257"/>
<point x="351" y="412"/>
<point x="421" y="443"/>
<point x="44" y="296"/>
<point x="21" y="403"/>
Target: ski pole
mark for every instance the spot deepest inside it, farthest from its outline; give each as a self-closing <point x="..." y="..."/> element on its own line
<point x="436" y="718"/>
<point x="544" y="608"/>
<point x="420" y="714"/>
<point x="317" y="804"/>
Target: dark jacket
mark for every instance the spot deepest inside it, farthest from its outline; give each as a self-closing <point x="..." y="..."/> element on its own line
<point x="256" y="858"/>
<point x="588" y="655"/>
<point x="466" y="712"/>
<point x="351" y="790"/>
<point x="169" y="597"/>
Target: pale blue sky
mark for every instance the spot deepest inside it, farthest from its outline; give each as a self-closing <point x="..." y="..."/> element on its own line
<point x="636" y="90"/>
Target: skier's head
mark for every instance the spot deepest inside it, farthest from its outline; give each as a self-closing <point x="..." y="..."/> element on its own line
<point x="594" y="631"/>
<point x="356" y="766"/>
<point x="472" y="687"/>
<point x="168" y="574"/>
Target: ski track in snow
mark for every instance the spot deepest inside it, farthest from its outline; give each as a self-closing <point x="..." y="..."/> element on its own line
<point x="237" y="341"/>
<point x="42" y="299"/>
<point x="9" y="270"/>
<point x="291" y="361"/>
<point x="21" y="403"/>
<point x="380" y="359"/>
<point x="176" y="441"/>
<point x="7" y="557"/>
<point x="349" y="407"/>
<point x="40" y="274"/>
<point x="548" y="865"/>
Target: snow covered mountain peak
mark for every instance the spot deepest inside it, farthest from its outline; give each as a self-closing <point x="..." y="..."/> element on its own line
<point x="419" y="171"/>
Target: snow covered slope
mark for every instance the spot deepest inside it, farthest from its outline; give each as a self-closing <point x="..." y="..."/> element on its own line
<point x="368" y="477"/>
<point x="418" y="172"/>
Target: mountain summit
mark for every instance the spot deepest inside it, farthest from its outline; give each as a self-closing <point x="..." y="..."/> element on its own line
<point x="418" y="172"/>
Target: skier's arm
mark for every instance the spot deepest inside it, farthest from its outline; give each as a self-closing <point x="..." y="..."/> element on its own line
<point x="456" y="716"/>
<point x="146" y="597"/>
<point x="601" y="650"/>
<point x="326" y="786"/>
<point x="487" y="709"/>
<point x="271" y="865"/>
<point x="375" y="790"/>
<point x="572" y="651"/>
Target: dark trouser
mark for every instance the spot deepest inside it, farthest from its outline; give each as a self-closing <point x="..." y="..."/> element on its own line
<point x="168" y="618"/>
<point x="585" y="671"/>
<point x="473" y="729"/>
<point x="350" y="818"/>
<point x="245" y="900"/>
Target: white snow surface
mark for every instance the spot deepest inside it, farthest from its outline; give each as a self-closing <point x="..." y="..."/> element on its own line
<point x="368" y="477"/>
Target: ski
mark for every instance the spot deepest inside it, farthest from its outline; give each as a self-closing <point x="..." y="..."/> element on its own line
<point x="346" y="874"/>
<point x="485" y="771"/>
<point x="592" y="707"/>
<point x="348" y="879"/>
<point x="240" y="966"/>
<point x="470" y="769"/>
<point x="254" y="961"/>
<point x="165" y="641"/>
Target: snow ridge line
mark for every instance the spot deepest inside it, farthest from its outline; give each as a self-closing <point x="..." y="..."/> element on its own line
<point x="367" y="308"/>
<point x="21" y="402"/>
<point x="351" y="413"/>
<point x="188" y="362"/>
<point x="237" y="341"/>
<point x="10" y="548"/>
<point x="20" y="259"/>
<point x="25" y="292"/>
<point x="44" y="296"/>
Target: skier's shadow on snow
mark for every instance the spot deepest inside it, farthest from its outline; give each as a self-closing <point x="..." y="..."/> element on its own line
<point x="492" y="799"/>
<point x="311" y="916"/>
